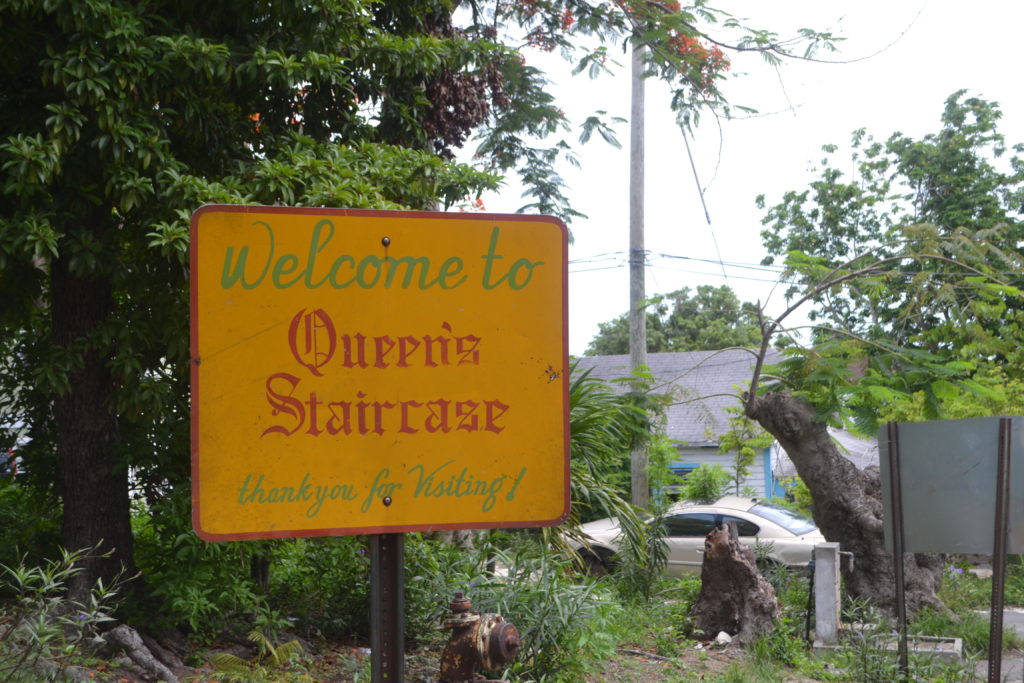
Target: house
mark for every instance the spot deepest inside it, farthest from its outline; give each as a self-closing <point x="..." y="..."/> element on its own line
<point x="704" y="384"/>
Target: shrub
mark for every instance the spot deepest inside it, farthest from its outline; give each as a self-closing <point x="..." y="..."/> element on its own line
<point x="565" y="623"/>
<point x="707" y="482"/>
<point x="39" y="626"/>
<point x="203" y="586"/>
<point x="324" y="583"/>
<point x="434" y="572"/>
<point x="29" y="523"/>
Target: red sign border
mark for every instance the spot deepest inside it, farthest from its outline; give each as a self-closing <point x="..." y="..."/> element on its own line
<point x="365" y="213"/>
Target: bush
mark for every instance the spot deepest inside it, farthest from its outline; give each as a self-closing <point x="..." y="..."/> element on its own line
<point x="39" y="627"/>
<point x="203" y="586"/>
<point x="324" y="583"/>
<point x="565" y="622"/>
<point x="434" y="572"/>
<point x="29" y="523"/>
<point x="707" y="482"/>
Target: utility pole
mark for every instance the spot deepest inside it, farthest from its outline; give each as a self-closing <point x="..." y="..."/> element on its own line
<point x="639" y="490"/>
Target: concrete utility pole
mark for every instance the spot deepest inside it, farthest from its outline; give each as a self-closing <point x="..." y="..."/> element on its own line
<point x="639" y="491"/>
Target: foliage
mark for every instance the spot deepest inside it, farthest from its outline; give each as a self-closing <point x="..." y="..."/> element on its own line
<point x="745" y="439"/>
<point x="665" y="623"/>
<point x="954" y="179"/>
<point x="638" y="565"/>
<point x="564" y="623"/>
<point x="436" y="570"/>
<point x="798" y="496"/>
<point x="712" y="318"/>
<point x="118" y="120"/>
<point x="272" y="663"/>
<point x="911" y="266"/>
<point x="661" y="454"/>
<point x="707" y="482"/>
<point x="29" y="523"/>
<point x="604" y="427"/>
<point x="39" y="626"/>
<point x="204" y="586"/>
<point x="324" y="584"/>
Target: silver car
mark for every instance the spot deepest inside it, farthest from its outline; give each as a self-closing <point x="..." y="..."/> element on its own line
<point x="788" y="537"/>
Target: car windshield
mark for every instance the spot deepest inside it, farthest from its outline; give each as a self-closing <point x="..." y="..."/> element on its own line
<point x="791" y="521"/>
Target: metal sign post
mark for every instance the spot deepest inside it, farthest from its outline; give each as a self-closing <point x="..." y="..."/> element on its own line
<point x="947" y="509"/>
<point x="896" y="501"/>
<point x="1002" y="524"/>
<point x="387" y="607"/>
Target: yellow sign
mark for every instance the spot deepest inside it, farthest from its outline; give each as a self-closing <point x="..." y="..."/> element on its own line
<point x="376" y="372"/>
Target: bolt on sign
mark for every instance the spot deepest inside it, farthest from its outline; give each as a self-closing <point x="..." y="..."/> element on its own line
<point x="376" y="371"/>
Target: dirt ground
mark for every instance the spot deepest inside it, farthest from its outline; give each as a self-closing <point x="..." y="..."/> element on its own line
<point x="344" y="663"/>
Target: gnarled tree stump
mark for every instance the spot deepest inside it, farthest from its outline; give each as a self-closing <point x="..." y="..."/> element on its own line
<point x="734" y="597"/>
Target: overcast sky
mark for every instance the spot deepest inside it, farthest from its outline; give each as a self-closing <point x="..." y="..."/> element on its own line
<point x="905" y="58"/>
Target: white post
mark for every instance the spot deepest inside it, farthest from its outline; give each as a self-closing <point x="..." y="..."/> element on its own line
<point x="640" y="488"/>
<point x="826" y="594"/>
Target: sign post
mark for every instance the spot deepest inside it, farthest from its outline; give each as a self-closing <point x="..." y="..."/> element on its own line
<point x="376" y="372"/>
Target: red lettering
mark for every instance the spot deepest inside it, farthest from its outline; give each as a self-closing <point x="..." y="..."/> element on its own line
<point x="341" y="418"/>
<point x="378" y="415"/>
<point x="318" y="341"/>
<point x="354" y="347"/>
<point x="314" y="428"/>
<point x="442" y="342"/>
<point x="315" y="416"/>
<point x="382" y="347"/>
<point x="361" y="407"/>
<point x="284" y="403"/>
<point x="465" y="413"/>
<point x="466" y="347"/>
<point x="406" y="346"/>
<point x="405" y="428"/>
<point x="490" y="419"/>
<point x="438" y="418"/>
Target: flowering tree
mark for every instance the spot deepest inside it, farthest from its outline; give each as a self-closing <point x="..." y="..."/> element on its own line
<point x="118" y="119"/>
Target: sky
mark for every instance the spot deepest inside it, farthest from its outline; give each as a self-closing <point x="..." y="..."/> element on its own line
<point x="900" y="61"/>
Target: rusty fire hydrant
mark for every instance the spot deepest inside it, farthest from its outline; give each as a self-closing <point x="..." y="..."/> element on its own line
<point x="486" y="641"/>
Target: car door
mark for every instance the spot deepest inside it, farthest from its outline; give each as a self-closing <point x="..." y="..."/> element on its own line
<point x="685" y="533"/>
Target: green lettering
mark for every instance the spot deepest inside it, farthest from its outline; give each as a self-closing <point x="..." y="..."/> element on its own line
<point x="230" y="275"/>
<point x="512" y="491"/>
<point x="451" y="267"/>
<point x="489" y="257"/>
<point x="333" y="275"/>
<point x="410" y="265"/>
<point x="368" y="260"/>
<point x="286" y="264"/>
<point x="315" y="247"/>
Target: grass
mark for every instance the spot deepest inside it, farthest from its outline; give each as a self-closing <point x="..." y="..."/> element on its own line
<point x="663" y="627"/>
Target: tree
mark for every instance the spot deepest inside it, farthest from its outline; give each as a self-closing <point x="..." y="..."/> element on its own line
<point x="712" y="318"/>
<point x="955" y="179"/>
<point x="917" y="317"/>
<point x="117" y="120"/>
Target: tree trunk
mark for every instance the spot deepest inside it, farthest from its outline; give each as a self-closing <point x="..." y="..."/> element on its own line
<point x="847" y="506"/>
<point x="93" y="477"/>
<point x="734" y="597"/>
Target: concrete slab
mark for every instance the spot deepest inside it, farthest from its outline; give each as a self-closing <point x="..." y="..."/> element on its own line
<point x="1012" y="669"/>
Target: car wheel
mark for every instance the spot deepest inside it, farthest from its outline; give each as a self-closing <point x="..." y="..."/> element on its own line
<point x="598" y="561"/>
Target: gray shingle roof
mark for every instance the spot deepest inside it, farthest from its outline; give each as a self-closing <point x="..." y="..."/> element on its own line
<point x="703" y="383"/>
